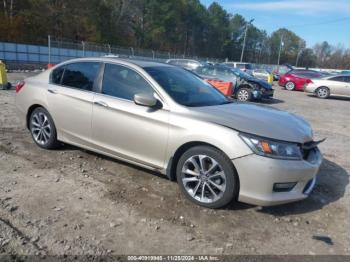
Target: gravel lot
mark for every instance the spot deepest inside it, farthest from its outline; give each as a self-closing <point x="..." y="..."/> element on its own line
<point x="71" y="201"/>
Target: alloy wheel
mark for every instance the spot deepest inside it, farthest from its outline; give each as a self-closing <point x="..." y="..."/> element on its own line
<point x="203" y="178"/>
<point x="243" y="95"/>
<point x="41" y="128"/>
<point x="290" y="86"/>
<point x="322" y="92"/>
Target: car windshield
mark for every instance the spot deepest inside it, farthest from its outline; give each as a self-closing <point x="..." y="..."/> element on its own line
<point x="185" y="87"/>
<point x="241" y="74"/>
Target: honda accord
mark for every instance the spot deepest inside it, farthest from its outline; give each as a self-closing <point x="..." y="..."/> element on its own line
<point x="166" y="119"/>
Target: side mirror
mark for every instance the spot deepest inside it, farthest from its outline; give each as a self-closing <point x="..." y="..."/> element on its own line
<point x="145" y="100"/>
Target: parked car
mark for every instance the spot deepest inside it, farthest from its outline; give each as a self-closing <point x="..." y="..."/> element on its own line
<point x="166" y="119"/>
<point x="245" y="67"/>
<point x="331" y="85"/>
<point x="263" y="74"/>
<point x="245" y="87"/>
<point x="277" y="71"/>
<point x="185" y="63"/>
<point x="297" y="79"/>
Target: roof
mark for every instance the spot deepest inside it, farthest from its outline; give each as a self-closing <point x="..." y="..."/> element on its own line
<point x="137" y="62"/>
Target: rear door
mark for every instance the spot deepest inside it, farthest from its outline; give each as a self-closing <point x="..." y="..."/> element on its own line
<point x="338" y="85"/>
<point x="70" y="98"/>
<point x="124" y="129"/>
<point x="347" y="86"/>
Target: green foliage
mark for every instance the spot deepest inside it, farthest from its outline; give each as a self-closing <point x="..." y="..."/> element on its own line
<point x="183" y="27"/>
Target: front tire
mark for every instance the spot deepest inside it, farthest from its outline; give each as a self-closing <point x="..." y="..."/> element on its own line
<point x="244" y="94"/>
<point x="290" y="86"/>
<point x="322" y="92"/>
<point x="207" y="177"/>
<point x="43" y="129"/>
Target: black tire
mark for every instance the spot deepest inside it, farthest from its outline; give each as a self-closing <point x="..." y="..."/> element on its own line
<point x="244" y="94"/>
<point x="322" y="92"/>
<point x="290" y="86"/>
<point x="230" y="181"/>
<point x="50" y="141"/>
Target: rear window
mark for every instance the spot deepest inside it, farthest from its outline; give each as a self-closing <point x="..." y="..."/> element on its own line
<point x="80" y="75"/>
<point x="56" y="75"/>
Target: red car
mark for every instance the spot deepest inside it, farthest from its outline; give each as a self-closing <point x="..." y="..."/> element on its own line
<point x="298" y="79"/>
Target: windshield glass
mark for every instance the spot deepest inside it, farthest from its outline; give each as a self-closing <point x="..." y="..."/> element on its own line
<point x="185" y="87"/>
<point x="241" y="74"/>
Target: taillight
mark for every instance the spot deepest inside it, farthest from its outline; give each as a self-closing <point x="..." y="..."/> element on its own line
<point x="309" y="81"/>
<point x="19" y="86"/>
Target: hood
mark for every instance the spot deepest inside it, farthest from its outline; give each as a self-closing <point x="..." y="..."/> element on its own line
<point x="261" y="82"/>
<point x="259" y="120"/>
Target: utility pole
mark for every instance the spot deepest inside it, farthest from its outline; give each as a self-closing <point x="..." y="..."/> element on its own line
<point x="245" y="37"/>
<point x="299" y="53"/>
<point x="298" y="56"/>
<point x="279" y="52"/>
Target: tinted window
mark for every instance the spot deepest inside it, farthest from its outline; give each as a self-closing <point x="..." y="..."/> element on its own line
<point x="185" y="87"/>
<point x="56" y="75"/>
<point x="347" y="79"/>
<point x="122" y="82"/>
<point x="80" y="75"/>
<point x="337" y="78"/>
<point x="224" y="73"/>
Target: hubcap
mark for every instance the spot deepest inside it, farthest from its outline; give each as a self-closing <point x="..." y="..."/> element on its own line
<point x="243" y="95"/>
<point x="290" y="86"/>
<point x="322" y="92"/>
<point x="40" y="128"/>
<point x="203" y="178"/>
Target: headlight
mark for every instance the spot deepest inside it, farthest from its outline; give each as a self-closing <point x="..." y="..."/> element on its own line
<point x="271" y="148"/>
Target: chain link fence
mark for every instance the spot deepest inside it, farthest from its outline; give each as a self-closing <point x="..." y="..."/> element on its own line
<point x="28" y="56"/>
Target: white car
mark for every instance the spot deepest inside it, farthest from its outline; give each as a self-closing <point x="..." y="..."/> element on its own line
<point x="332" y="85"/>
<point x="188" y="64"/>
<point x="262" y="74"/>
<point x="245" y="67"/>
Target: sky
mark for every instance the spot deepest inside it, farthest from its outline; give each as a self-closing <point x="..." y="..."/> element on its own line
<point x="313" y="20"/>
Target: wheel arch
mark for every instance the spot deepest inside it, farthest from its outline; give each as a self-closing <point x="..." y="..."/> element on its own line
<point x="172" y="164"/>
<point x="30" y="111"/>
<point x="324" y="87"/>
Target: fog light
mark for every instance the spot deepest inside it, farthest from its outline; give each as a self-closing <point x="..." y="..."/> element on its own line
<point x="283" y="187"/>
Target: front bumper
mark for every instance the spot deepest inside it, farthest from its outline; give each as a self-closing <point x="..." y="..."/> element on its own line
<point x="267" y="93"/>
<point x="259" y="94"/>
<point x="257" y="176"/>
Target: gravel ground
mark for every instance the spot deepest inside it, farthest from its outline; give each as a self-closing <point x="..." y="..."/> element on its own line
<point x="75" y="202"/>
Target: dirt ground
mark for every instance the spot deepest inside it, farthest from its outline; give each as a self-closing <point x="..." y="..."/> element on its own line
<point x="75" y="202"/>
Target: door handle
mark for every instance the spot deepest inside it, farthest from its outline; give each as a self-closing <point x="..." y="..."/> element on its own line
<point x="52" y="91"/>
<point x="101" y="103"/>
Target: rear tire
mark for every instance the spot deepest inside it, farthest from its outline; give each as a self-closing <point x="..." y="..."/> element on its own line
<point x="290" y="86"/>
<point x="207" y="177"/>
<point x="43" y="129"/>
<point x="322" y="92"/>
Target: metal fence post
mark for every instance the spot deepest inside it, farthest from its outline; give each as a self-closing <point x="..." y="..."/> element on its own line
<point x="153" y="54"/>
<point x="109" y="48"/>
<point x="49" y="46"/>
<point x="132" y="51"/>
<point x="83" y="44"/>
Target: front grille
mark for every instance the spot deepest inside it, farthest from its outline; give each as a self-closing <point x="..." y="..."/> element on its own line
<point x="308" y="147"/>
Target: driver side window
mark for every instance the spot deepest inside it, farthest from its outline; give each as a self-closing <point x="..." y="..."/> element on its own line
<point x="122" y="82"/>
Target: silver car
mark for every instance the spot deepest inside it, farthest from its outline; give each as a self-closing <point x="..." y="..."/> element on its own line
<point x="166" y="119"/>
<point x="331" y="85"/>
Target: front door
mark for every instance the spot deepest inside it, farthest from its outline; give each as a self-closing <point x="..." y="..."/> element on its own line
<point x="124" y="129"/>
